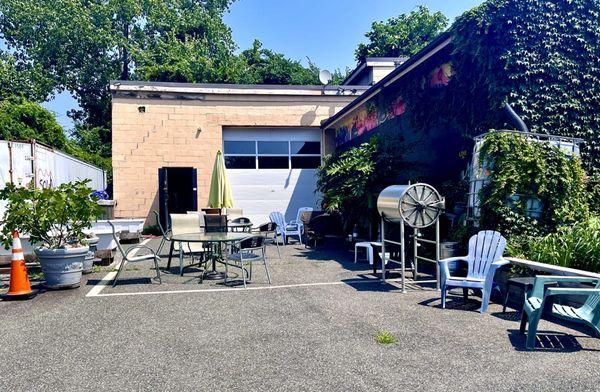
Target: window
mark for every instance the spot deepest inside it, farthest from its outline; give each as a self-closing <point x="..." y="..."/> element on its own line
<point x="239" y="147"/>
<point x="273" y="148"/>
<point x="273" y="162"/>
<point x="264" y="154"/>
<point x="240" y="162"/>
<point x="306" y="162"/>
<point x="305" y="148"/>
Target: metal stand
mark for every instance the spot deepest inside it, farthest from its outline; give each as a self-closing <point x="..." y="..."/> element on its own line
<point x="416" y="257"/>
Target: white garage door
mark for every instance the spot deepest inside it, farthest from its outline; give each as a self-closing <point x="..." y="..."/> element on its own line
<point x="272" y="169"/>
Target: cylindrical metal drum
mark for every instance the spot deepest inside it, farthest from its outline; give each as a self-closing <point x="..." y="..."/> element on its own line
<point x="418" y="205"/>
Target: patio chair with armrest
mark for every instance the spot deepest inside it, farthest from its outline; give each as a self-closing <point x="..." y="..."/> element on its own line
<point x="269" y="232"/>
<point x="588" y="314"/>
<point x="285" y="229"/>
<point x="128" y="258"/>
<point x="187" y="224"/>
<point x="244" y="220"/>
<point x="298" y="221"/>
<point x="166" y="235"/>
<point x="484" y="259"/>
<point x="247" y="250"/>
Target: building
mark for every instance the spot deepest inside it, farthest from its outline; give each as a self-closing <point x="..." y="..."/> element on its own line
<point x="270" y="137"/>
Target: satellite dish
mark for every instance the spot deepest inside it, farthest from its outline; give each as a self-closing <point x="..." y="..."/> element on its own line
<point x="325" y="77"/>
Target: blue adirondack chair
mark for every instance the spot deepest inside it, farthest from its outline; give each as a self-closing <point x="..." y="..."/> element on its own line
<point x="588" y="314"/>
<point x="484" y="258"/>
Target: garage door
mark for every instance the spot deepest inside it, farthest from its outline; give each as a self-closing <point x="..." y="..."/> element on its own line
<point x="272" y="169"/>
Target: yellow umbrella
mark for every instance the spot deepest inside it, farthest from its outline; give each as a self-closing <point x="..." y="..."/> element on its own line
<point x="220" y="190"/>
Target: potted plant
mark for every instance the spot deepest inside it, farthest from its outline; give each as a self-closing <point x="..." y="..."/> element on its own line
<point x="55" y="219"/>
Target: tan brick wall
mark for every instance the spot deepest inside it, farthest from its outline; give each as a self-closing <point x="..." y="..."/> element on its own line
<point x="189" y="133"/>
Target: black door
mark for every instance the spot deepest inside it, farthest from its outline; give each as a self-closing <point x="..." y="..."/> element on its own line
<point x="178" y="192"/>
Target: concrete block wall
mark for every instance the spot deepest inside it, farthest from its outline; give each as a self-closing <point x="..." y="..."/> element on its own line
<point x="188" y="133"/>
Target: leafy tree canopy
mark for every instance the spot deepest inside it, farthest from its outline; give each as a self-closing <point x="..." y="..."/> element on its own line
<point x="20" y="79"/>
<point x="403" y="35"/>
<point x="25" y="120"/>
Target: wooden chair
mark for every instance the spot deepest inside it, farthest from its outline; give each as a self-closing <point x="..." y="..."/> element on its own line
<point x="588" y="314"/>
<point x="484" y="258"/>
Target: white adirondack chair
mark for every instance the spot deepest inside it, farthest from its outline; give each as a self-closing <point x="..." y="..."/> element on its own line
<point x="298" y="221"/>
<point x="285" y="229"/>
<point x="484" y="258"/>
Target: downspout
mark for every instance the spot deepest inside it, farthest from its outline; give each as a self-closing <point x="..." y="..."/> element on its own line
<point x="515" y="119"/>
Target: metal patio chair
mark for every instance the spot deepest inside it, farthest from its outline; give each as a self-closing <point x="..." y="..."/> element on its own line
<point x="269" y="232"/>
<point x="246" y="252"/>
<point x="166" y="235"/>
<point x="127" y="258"/>
<point x="242" y="219"/>
<point x="215" y="223"/>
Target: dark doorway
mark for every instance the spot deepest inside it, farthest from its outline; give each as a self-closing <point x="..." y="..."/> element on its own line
<point x="178" y="192"/>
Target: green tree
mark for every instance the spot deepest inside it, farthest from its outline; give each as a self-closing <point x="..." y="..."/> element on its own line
<point x="25" y="120"/>
<point x="82" y="44"/>
<point x="403" y="35"/>
<point x="263" y="66"/>
<point x="21" y="79"/>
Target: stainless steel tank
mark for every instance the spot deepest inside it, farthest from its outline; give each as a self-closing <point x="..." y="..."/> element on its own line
<point x="418" y="205"/>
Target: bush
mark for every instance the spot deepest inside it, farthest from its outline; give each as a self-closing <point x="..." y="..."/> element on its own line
<point x="53" y="217"/>
<point x="577" y="246"/>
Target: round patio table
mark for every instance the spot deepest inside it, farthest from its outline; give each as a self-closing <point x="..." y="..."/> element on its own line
<point x="208" y="238"/>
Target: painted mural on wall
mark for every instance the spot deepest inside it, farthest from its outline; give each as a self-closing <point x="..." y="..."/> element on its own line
<point x="370" y="115"/>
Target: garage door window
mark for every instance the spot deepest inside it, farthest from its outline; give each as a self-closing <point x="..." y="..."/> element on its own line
<point x="263" y="154"/>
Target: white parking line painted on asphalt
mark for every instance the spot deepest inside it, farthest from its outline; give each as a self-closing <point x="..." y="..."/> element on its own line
<point x="241" y="289"/>
<point x="95" y="291"/>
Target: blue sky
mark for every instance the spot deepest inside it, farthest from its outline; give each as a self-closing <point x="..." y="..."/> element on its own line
<point x="326" y="31"/>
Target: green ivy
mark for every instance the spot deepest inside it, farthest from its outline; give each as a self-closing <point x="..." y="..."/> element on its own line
<point x="522" y="169"/>
<point x="542" y="57"/>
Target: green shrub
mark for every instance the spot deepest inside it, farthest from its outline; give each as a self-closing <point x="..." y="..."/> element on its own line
<point x="577" y="246"/>
<point x="53" y="217"/>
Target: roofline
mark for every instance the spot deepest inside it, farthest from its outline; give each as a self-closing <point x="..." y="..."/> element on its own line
<point x="230" y="89"/>
<point x="370" y="61"/>
<point x="442" y="41"/>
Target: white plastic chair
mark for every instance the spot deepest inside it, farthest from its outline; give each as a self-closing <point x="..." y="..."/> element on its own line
<point x="484" y="258"/>
<point x="285" y="229"/>
<point x="298" y="220"/>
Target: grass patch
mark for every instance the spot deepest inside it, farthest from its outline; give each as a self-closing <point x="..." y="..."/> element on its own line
<point x="385" y="337"/>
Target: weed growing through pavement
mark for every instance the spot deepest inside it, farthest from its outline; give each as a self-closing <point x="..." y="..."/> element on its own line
<point x="386" y="337"/>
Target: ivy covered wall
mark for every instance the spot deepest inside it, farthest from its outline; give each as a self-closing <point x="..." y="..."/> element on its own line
<point x="542" y="56"/>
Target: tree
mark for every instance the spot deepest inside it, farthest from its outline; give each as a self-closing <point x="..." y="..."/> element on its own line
<point x="403" y="35"/>
<point x="25" y="120"/>
<point x="82" y="44"/>
<point x="21" y="79"/>
<point x="263" y="66"/>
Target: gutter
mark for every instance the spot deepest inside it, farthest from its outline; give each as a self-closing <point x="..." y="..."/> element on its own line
<point x="427" y="52"/>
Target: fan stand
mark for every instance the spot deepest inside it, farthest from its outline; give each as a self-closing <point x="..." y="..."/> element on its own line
<point x="417" y="239"/>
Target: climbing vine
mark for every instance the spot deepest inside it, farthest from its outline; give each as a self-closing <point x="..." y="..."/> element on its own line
<point x="533" y="188"/>
<point x="542" y="56"/>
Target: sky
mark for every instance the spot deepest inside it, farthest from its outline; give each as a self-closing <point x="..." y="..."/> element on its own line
<point x="326" y="31"/>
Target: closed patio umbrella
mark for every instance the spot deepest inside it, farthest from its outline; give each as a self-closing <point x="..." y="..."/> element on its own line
<point x="220" y="190"/>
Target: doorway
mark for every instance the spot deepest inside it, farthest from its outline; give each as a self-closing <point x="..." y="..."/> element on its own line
<point x="178" y="192"/>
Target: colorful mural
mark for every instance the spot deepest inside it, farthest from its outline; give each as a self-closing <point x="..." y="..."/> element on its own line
<point x="370" y="115"/>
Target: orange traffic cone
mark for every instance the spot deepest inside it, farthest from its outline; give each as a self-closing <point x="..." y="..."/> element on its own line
<point x="19" y="280"/>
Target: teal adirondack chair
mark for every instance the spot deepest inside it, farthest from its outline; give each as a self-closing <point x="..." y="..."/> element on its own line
<point x="588" y="314"/>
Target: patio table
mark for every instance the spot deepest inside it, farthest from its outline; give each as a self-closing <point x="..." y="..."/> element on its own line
<point x="208" y="238"/>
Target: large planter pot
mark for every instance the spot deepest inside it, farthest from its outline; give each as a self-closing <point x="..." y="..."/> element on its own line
<point x="88" y="262"/>
<point x="62" y="267"/>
